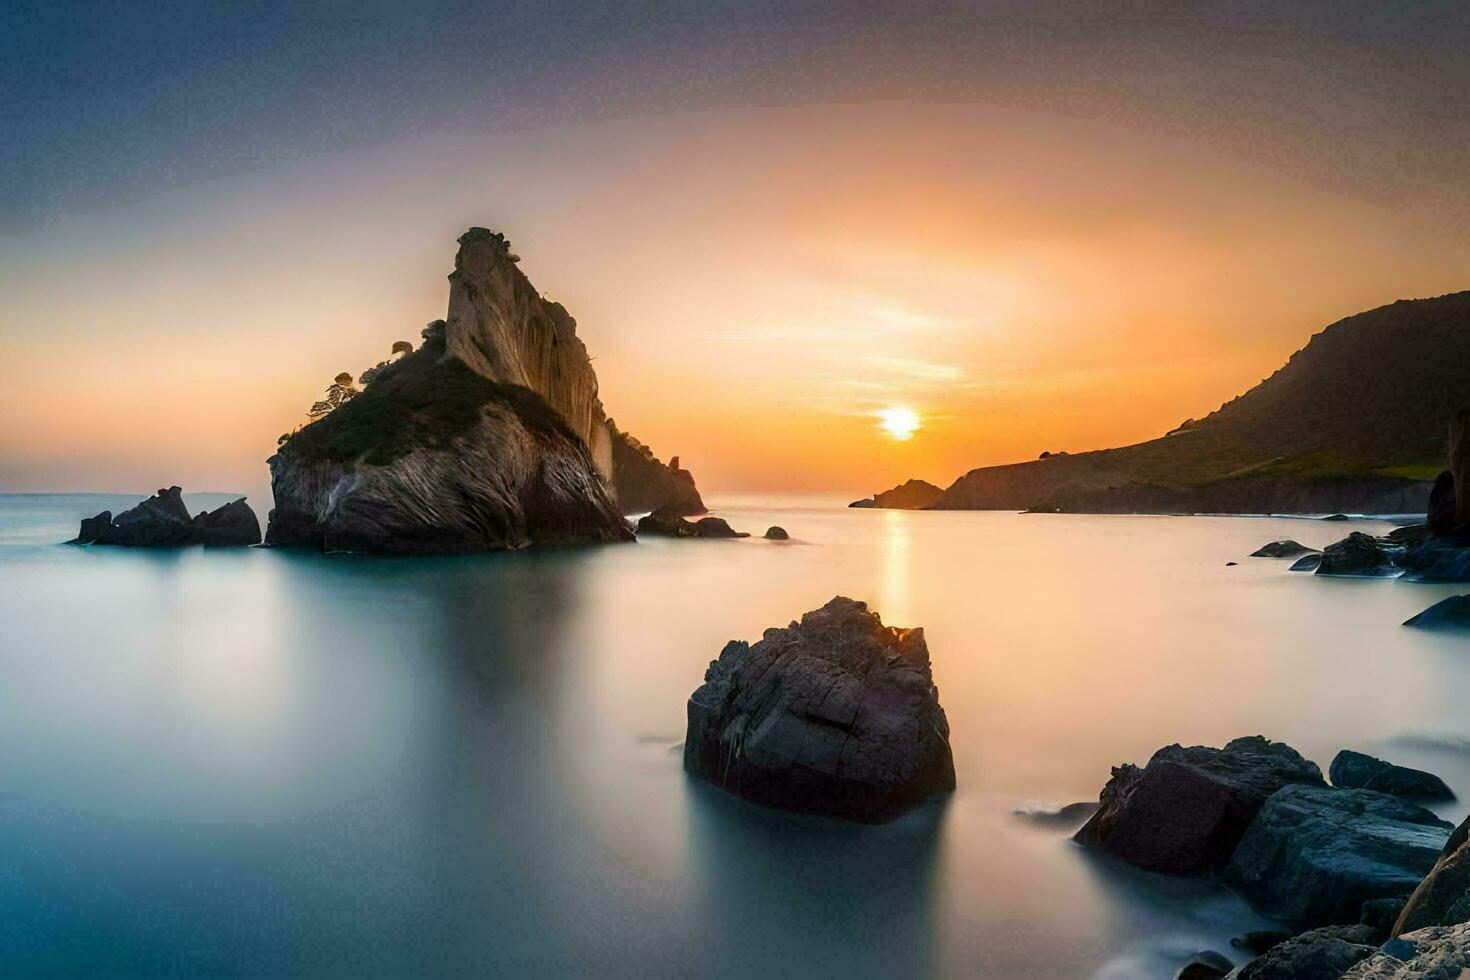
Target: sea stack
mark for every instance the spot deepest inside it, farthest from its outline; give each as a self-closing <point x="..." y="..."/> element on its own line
<point x="490" y="435"/>
<point x="835" y="715"/>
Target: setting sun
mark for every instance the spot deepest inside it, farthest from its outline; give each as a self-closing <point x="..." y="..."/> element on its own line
<point x="899" y="422"/>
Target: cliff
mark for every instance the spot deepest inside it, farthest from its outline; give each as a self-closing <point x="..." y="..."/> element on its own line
<point x="491" y="435"/>
<point x="1354" y="421"/>
<point x="643" y="484"/>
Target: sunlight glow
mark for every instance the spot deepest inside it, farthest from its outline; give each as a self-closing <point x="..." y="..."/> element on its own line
<point x="900" y="422"/>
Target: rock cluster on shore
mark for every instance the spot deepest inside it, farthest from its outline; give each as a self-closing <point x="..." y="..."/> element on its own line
<point x="1350" y="865"/>
<point x="162" y="521"/>
<point x="668" y="524"/>
<point x="834" y="715"/>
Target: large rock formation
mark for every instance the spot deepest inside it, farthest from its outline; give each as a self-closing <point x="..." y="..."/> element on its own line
<point x="1314" y="855"/>
<point x="912" y="495"/>
<point x="162" y="521"/>
<point x="491" y="435"/>
<point x="1185" y="811"/>
<point x="1361" y="555"/>
<point x="836" y="715"/>
<point x="642" y="484"/>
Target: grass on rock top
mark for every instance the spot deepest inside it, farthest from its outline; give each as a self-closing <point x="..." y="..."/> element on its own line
<point x="422" y="401"/>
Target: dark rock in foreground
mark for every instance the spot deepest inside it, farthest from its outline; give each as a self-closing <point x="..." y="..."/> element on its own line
<point x="777" y="533"/>
<point x="1314" y="855"/>
<point x="835" y="715"/>
<point x="1354" y="770"/>
<point x="1184" y="812"/>
<point x="162" y="521"/>
<point x="1322" y="954"/>
<point x="1306" y="563"/>
<point x="1360" y="555"/>
<point x="1441" y="510"/>
<point x="1204" y="965"/>
<point x="1443" y="897"/>
<point x="1285" y="548"/>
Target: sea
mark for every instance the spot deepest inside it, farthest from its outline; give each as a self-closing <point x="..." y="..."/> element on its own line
<point x="265" y="762"/>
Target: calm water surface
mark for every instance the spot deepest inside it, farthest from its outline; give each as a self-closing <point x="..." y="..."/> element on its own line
<point x="265" y="762"/>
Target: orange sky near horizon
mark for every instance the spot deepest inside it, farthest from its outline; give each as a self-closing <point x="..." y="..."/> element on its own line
<point x="755" y="285"/>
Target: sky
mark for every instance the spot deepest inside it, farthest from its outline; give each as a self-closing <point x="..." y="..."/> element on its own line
<point x="1034" y="226"/>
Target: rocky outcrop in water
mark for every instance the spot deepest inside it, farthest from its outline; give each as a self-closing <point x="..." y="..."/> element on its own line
<point x="491" y="435"/>
<point x="910" y="495"/>
<point x="1451" y="613"/>
<point x="1313" y="855"/>
<point x="1185" y="811"/>
<point x="1355" y="770"/>
<point x="777" y="533"/>
<point x="162" y="521"/>
<point x="643" y="484"/>
<point x="662" y="523"/>
<point x="1285" y="548"/>
<point x="1361" y="555"/>
<point x="836" y="715"/>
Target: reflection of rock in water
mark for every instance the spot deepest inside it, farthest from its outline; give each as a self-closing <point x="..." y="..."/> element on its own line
<point x="788" y="895"/>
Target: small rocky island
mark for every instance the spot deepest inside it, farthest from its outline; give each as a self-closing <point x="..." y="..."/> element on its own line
<point x="163" y="521"/>
<point x="490" y="435"/>
<point x="835" y="715"/>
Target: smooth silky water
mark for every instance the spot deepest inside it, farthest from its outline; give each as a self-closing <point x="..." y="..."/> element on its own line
<point x="265" y="762"/>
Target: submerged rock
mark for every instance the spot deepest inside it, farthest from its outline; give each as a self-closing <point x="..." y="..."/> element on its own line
<point x="1285" y="548"/>
<point x="835" y="715"/>
<point x="777" y="533"/>
<point x="1184" y="812"/>
<point x="1354" y="770"/>
<point x="1321" y="954"/>
<point x="1314" y="855"/>
<point x="1065" y="817"/>
<point x="1359" y="555"/>
<point x="1306" y="563"/>
<point x="1443" y="897"/>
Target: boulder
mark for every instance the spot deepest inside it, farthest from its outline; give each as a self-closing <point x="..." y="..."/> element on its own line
<point x="836" y="715"/>
<point x="1441" y="516"/>
<point x="1321" y="954"/>
<point x="233" y="524"/>
<point x="1445" y="558"/>
<point x="777" y="533"/>
<point x="161" y="521"/>
<point x="1306" y="563"/>
<point x="93" y="528"/>
<point x="664" y="525"/>
<point x="1285" y="548"/>
<point x="1360" y="555"/>
<point x="1439" y="952"/>
<point x="1184" y="812"/>
<point x="1354" y="770"/>
<point x="1314" y="855"/>
<point x="1443" y="897"/>
<point x="1451" y="613"/>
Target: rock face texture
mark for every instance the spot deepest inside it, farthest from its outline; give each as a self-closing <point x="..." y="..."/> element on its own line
<point x="491" y="435"/>
<point x="1314" y="855"/>
<point x="502" y="329"/>
<point x="1443" y="897"/>
<point x="162" y="521"/>
<point x="1360" y="555"/>
<point x="835" y="715"/>
<point x="1185" y="811"/>
<point x="643" y="484"/>
<point x="1441" y="953"/>
<point x="1321" y="954"/>
<point x="1354" y="770"/>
